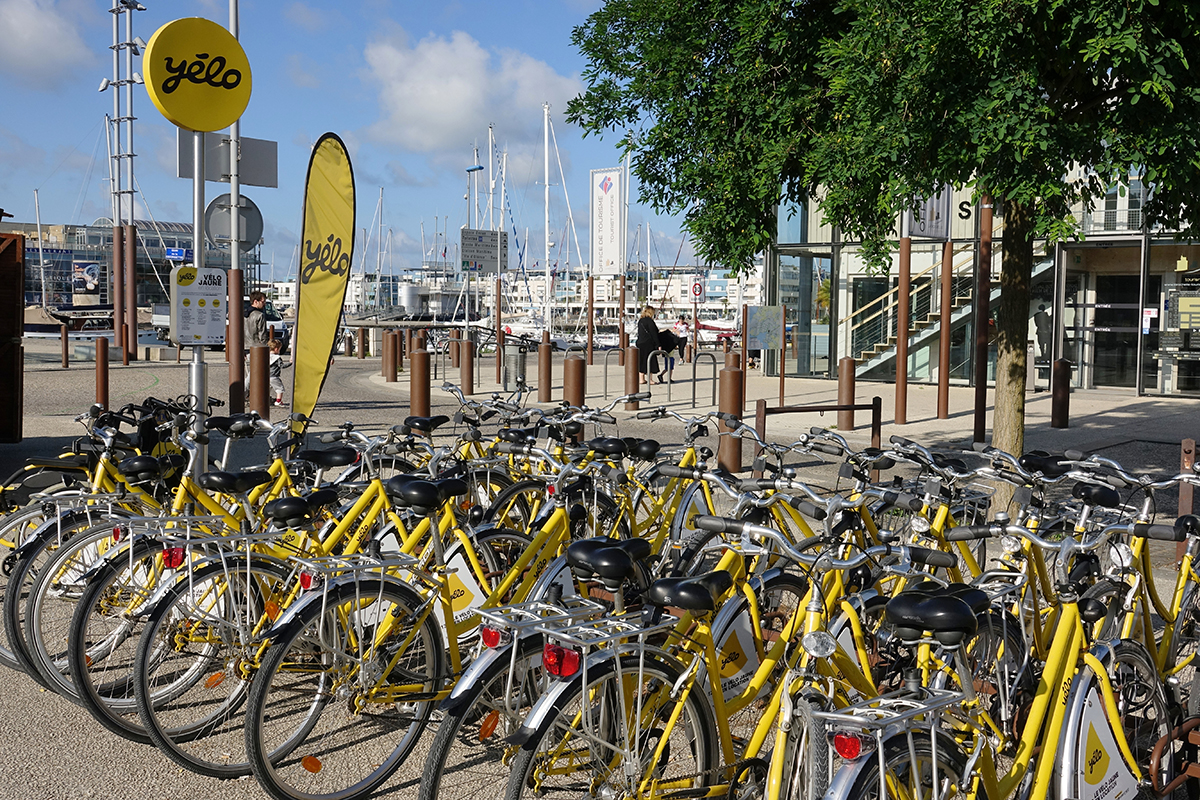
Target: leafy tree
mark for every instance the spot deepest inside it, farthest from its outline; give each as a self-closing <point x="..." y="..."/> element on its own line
<point x="730" y="107"/>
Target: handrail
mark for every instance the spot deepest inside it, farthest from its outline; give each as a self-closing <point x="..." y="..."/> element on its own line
<point x="762" y="411"/>
<point x="666" y="363"/>
<point x="611" y="351"/>
<point x="695" y="368"/>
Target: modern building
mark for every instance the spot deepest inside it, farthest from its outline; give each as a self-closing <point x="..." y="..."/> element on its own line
<point x="1121" y="303"/>
<point x="72" y="264"/>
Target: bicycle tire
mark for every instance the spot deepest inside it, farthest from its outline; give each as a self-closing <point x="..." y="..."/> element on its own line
<point x="104" y="635"/>
<point x="897" y="757"/>
<point x="596" y="757"/>
<point x="54" y="596"/>
<point x="299" y="741"/>
<point x="805" y="770"/>
<point x="194" y="663"/>
<point x="470" y="739"/>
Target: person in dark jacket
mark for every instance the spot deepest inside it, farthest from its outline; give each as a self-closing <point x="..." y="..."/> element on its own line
<point x="668" y="342"/>
<point x="647" y="339"/>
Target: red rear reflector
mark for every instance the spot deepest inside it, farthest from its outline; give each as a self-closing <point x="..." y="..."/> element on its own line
<point x="116" y="534"/>
<point x="309" y="580"/>
<point x="493" y="637"/>
<point x="172" y="557"/>
<point x="561" y="662"/>
<point x="847" y="745"/>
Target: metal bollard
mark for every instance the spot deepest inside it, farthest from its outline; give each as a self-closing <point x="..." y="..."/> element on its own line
<point x="408" y="341"/>
<point x="1060" y="394"/>
<point x="454" y="337"/>
<point x="500" y="356"/>
<point x="102" y="371"/>
<point x="632" y="376"/>
<point x="845" y="419"/>
<point x="466" y="364"/>
<point x="729" y="450"/>
<point x="125" y="350"/>
<point x="422" y="338"/>
<point x="575" y="380"/>
<point x="622" y="346"/>
<point x="362" y="343"/>
<point x="418" y="383"/>
<point x="389" y="356"/>
<point x="545" y="368"/>
<point x="349" y="345"/>
<point x="260" y="395"/>
<point x="687" y="355"/>
<point x="66" y="346"/>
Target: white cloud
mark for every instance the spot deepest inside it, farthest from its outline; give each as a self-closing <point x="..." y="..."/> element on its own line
<point x="307" y="18"/>
<point x="441" y="93"/>
<point x="301" y="71"/>
<point x="17" y="154"/>
<point x="42" y="44"/>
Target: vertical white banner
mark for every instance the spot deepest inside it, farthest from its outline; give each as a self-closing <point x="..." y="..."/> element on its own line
<point x="608" y="221"/>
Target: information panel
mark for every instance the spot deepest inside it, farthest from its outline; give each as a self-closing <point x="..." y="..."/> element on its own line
<point x="198" y="308"/>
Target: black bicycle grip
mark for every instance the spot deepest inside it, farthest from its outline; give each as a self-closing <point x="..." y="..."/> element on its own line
<point x="756" y="484"/>
<point x="1075" y="455"/>
<point x="641" y="396"/>
<point x="808" y="508"/>
<point x="828" y="449"/>
<point x="473" y="435"/>
<point x="1162" y="533"/>
<point x="968" y="533"/>
<point x="817" y="431"/>
<point x="513" y="448"/>
<point x="650" y="413"/>
<point x="615" y="474"/>
<point x="331" y="437"/>
<point x="606" y="419"/>
<point x="727" y="417"/>
<point x="676" y="471"/>
<point x="904" y="500"/>
<point x="933" y="558"/>
<point x="900" y="440"/>
<point x="719" y="524"/>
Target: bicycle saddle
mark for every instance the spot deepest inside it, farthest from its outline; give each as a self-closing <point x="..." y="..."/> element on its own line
<point x="608" y="447"/>
<point x="1095" y="495"/>
<point x="426" y="424"/>
<point x="518" y="435"/>
<point x="334" y="457"/>
<point x="1043" y="462"/>
<point x="977" y="599"/>
<point x="698" y="593"/>
<point x="609" y="559"/>
<point x="949" y="618"/>
<point x="425" y="496"/>
<point x="140" y="469"/>
<point x="234" y="482"/>
<point x="573" y="428"/>
<point x="643" y="449"/>
<point x="949" y="462"/>
<point x="235" y="425"/>
<point x="294" y="512"/>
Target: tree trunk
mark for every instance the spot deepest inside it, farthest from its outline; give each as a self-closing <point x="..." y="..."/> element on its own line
<point x="1012" y="324"/>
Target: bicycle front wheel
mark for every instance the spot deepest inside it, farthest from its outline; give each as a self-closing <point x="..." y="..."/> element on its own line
<point x="913" y="770"/>
<point x="581" y="751"/>
<point x="343" y="694"/>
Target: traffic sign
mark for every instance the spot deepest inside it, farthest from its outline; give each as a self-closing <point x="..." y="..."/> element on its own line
<point x="697" y="289"/>
<point x="484" y="251"/>
<point x="179" y="254"/>
<point x="217" y="222"/>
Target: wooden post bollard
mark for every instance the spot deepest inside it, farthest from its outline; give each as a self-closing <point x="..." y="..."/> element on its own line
<point x="454" y="338"/>
<point x="500" y="356"/>
<point x="125" y="350"/>
<point x="235" y="345"/>
<point x="622" y="346"/>
<point x="1187" y="460"/>
<point x="260" y="368"/>
<point x="66" y="346"/>
<point x="389" y="356"/>
<point x="348" y="345"/>
<point x="760" y="427"/>
<point x="1060" y="394"/>
<point x="545" y="368"/>
<point x="362" y="343"/>
<point x="418" y="383"/>
<point x="466" y="364"/>
<point x="729" y="450"/>
<point x="632" y="376"/>
<point x="102" y="371"/>
<point x="845" y="419"/>
<point x="575" y="380"/>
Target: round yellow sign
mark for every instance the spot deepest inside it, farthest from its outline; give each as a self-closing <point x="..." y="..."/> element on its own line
<point x="197" y="74"/>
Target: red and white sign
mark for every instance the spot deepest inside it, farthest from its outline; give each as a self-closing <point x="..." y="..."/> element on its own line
<point x="697" y="289"/>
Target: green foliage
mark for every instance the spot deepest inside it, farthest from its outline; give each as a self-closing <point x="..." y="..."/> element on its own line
<point x="729" y="107"/>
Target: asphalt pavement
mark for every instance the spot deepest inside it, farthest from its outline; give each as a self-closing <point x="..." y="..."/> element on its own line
<point x="55" y="751"/>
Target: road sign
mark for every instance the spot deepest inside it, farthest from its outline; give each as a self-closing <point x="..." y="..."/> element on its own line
<point x="198" y="307"/>
<point x="258" y="160"/>
<point x="484" y="251"/>
<point x="697" y="289"/>
<point x="217" y="228"/>
<point x="179" y="254"/>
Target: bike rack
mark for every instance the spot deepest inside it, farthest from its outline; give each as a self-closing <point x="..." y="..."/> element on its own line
<point x="441" y="350"/>
<point x="616" y="351"/>
<point x="666" y="363"/>
<point x="695" y="368"/>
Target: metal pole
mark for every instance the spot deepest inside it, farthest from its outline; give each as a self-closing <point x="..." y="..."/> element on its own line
<point x="131" y="337"/>
<point x="1143" y="277"/>
<point x="622" y="343"/>
<point x="102" y="371"/>
<point x="198" y="370"/>
<point x="983" y="293"/>
<point x="744" y="362"/>
<point x="902" y="324"/>
<point x="66" y="344"/>
<point x="782" y="347"/>
<point x="118" y="284"/>
<point x="943" y="399"/>
<point x="591" y="317"/>
<point x="235" y="346"/>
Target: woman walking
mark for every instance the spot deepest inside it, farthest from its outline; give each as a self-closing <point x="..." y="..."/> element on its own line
<point x="647" y="339"/>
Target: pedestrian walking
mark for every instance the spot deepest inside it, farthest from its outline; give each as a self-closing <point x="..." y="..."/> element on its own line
<point x="256" y="321"/>
<point x="647" y="340"/>
<point x="275" y="370"/>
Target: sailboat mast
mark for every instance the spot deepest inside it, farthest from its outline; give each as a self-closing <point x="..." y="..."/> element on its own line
<point x="546" y="187"/>
<point x="37" y="214"/>
<point x="491" y="179"/>
<point x="379" y="250"/>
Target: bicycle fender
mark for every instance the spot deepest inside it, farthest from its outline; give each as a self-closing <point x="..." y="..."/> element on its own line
<point x="550" y="704"/>
<point x="49" y="530"/>
<point x="486" y="666"/>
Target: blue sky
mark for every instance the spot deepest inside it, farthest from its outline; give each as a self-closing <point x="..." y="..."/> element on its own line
<point x="410" y="86"/>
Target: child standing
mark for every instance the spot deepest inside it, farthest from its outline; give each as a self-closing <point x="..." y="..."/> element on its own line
<point x="275" y="370"/>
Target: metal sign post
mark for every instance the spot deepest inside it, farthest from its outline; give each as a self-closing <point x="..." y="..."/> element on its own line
<point x="198" y="370"/>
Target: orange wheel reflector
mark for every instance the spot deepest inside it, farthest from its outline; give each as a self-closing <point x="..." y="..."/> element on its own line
<point x="214" y="680"/>
<point x="488" y="726"/>
<point x="87" y="660"/>
<point x="311" y="763"/>
<point x="272" y="610"/>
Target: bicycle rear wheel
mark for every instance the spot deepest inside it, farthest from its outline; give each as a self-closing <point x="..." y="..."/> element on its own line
<point x="318" y="724"/>
<point x="196" y="658"/>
